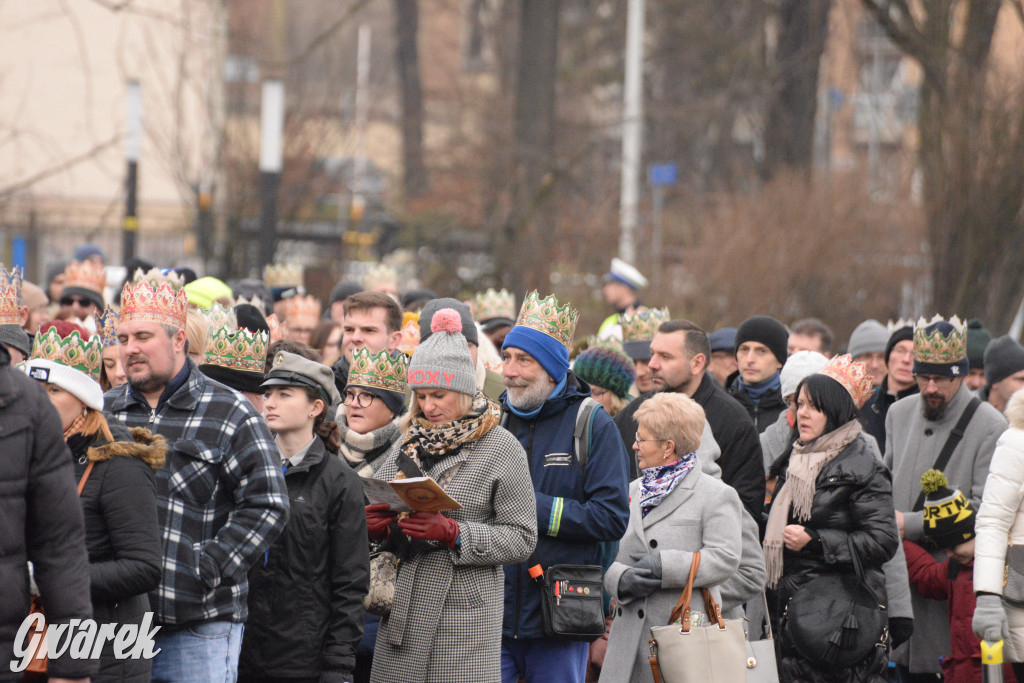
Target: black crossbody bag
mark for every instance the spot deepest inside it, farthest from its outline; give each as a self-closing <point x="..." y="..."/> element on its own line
<point x="951" y="443"/>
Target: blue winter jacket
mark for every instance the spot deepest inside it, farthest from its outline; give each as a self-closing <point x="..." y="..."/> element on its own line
<point x="575" y="513"/>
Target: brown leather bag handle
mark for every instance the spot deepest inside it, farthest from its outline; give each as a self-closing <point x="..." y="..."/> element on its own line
<point x="682" y="609"/>
<point x="85" y="477"/>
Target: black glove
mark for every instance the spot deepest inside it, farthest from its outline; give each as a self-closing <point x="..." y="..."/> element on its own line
<point x="642" y="579"/>
<point x="900" y="630"/>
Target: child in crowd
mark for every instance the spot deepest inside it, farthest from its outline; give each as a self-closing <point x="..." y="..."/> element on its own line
<point x="949" y="526"/>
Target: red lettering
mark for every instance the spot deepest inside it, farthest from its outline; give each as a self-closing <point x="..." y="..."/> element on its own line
<point x="448" y="377"/>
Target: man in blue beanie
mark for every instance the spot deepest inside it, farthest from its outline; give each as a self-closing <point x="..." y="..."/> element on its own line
<point x="576" y="510"/>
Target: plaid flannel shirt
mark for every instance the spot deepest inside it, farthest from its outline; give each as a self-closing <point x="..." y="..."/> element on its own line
<point x="221" y="495"/>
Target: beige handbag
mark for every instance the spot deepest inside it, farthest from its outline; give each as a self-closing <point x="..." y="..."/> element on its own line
<point x="383" y="576"/>
<point x="681" y="653"/>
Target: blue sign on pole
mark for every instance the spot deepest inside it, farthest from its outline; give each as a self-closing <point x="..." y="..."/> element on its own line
<point x="19" y="252"/>
<point x="663" y="175"/>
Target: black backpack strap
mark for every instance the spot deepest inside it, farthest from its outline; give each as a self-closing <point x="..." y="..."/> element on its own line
<point x="583" y="432"/>
<point x="951" y="443"/>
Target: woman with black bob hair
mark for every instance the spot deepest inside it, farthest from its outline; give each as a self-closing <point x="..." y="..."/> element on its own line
<point x="832" y="509"/>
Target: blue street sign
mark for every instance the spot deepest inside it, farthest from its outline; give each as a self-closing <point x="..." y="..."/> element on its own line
<point x="662" y="175"/>
<point x="19" y="252"/>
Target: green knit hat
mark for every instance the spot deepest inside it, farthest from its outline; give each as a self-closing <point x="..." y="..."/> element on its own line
<point x="948" y="514"/>
<point x="606" y="368"/>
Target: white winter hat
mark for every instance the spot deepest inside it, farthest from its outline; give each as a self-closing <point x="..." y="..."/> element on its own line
<point x="75" y="382"/>
<point x="797" y="367"/>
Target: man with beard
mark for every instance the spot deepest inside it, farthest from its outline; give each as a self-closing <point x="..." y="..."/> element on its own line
<point x="679" y="362"/>
<point x="918" y="429"/>
<point x="221" y="495"/>
<point x="577" y="509"/>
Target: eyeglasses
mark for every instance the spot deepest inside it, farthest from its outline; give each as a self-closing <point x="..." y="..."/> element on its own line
<point x="597" y="393"/>
<point x="637" y="439"/>
<point x="363" y="399"/>
<point x="940" y="380"/>
<point x="72" y="300"/>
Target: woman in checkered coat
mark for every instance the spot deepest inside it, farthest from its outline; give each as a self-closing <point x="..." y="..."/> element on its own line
<point x="445" y="623"/>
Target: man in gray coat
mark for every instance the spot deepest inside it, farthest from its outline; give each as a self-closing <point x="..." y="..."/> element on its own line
<point x="918" y="428"/>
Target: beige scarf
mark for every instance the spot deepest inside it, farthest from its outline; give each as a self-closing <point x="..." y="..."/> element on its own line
<point x="797" y="493"/>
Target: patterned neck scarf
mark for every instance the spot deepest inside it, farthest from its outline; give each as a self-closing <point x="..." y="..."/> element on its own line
<point x="659" y="481"/>
<point x="432" y="443"/>
<point x="75" y="427"/>
<point x="364" y="449"/>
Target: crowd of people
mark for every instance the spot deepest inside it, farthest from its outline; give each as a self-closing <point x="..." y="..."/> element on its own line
<point x="228" y="442"/>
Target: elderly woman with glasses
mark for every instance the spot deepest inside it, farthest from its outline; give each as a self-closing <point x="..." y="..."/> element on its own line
<point x="675" y="511"/>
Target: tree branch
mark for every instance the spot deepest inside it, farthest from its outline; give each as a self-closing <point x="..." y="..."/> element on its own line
<point x="9" y="190"/>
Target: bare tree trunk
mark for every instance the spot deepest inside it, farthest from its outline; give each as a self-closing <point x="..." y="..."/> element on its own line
<point x="415" y="177"/>
<point x="792" y="104"/>
<point x="532" y="220"/>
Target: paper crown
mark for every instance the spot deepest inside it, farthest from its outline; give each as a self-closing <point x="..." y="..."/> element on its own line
<point x="852" y="375"/>
<point x="492" y="304"/>
<point x="71" y="351"/>
<point x="237" y="349"/>
<point x="643" y="323"/>
<point x="380" y="274"/>
<point x="106" y="326"/>
<point x="86" y="275"/>
<point x="10" y="296"/>
<point x="379" y="371"/>
<point x="254" y="300"/>
<point x="277" y="328"/>
<point x="302" y="306"/>
<point x="410" y="334"/>
<point x="939" y="342"/>
<point x="287" y="275"/>
<point x="892" y="326"/>
<point x="154" y="297"/>
<point x="216" y="316"/>
<point x="546" y="316"/>
<point x="611" y="343"/>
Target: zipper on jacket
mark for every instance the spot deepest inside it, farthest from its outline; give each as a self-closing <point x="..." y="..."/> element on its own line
<point x="152" y="415"/>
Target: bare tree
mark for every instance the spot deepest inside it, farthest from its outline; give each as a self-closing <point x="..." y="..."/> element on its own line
<point x="414" y="170"/>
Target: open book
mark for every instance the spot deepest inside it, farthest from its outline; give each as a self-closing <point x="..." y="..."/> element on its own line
<point x="418" y="494"/>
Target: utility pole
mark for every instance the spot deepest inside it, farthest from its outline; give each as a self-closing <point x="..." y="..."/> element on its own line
<point x="358" y="206"/>
<point x="132" y="152"/>
<point x="632" y="131"/>
<point x="272" y="133"/>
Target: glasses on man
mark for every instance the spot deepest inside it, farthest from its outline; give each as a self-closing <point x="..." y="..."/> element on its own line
<point x="940" y="380"/>
<point x="362" y="399"/>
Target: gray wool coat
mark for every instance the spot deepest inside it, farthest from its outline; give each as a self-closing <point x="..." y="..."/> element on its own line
<point x="912" y="445"/>
<point x="445" y="624"/>
<point x="701" y="514"/>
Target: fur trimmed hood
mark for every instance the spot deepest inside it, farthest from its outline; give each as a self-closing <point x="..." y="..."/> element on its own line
<point x="1015" y="410"/>
<point x="148" y="447"/>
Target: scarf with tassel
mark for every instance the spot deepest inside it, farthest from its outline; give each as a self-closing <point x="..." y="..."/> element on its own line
<point x="797" y="493"/>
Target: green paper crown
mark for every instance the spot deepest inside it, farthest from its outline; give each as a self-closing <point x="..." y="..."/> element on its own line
<point x="937" y="347"/>
<point x="237" y="349"/>
<point x="643" y="323"/>
<point x="546" y="316"/>
<point x="494" y="304"/>
<point x="71" y="351"/>
<point x="379" y="371"/>
<point x="217" y="316"/>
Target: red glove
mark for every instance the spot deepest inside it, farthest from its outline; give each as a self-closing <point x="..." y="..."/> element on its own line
<point x="430" y="526"/>
<point x="378" y="518"/>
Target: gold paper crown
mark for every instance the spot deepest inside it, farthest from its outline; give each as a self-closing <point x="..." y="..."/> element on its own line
<point x="379" y="371"/>
<point x="106" y="326"/>
<point x="216" y="316"/>
<point x="10" y="296"/>
<point x="288" y="275"/>
<point x="492" y="304"/>
<point x="277" y="328"/>
<point x="852" y="375"/>
<point x="643" y="323"/>
<point x="71" y="351"/>
<point x="86" y="275"/>
<point x="255" y="300"/>
<point x="891" y="326"/>
<point x="379" y="274"/>
<point x="938" y="347"/>
<point x="410" y="334"/>
<point x="154" y="297"/>
<point x="546" y="316"/>
<point x="299" y="306"/>
<point x="612" y="343"/>
<point x="237" y="349"/>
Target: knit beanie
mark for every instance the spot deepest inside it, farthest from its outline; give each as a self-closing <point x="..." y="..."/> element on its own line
<point x="344" y="290"/>
<point x="442" y="361"/>
<point x="905" y="333"/>
<point x="868" y="337"/>
<point x="978" y="339"/>
<point x="76" y="383"/>
<point x="607" y="369"/>
<point x="206" y="290"/>
<point x="948" y="514"/>
<point x="723" y="339"/>
<point x="435" y="305"/>
<point x="799" y="366"/>
<point x="13" y="335"/>
<point x="544" y="329"/>
<point x="765" y="330"/>
<point x="251" y="318"/>
<point x="1003" y="357"/>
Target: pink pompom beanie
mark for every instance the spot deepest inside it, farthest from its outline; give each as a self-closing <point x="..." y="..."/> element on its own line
<point x="442" y="361"/>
